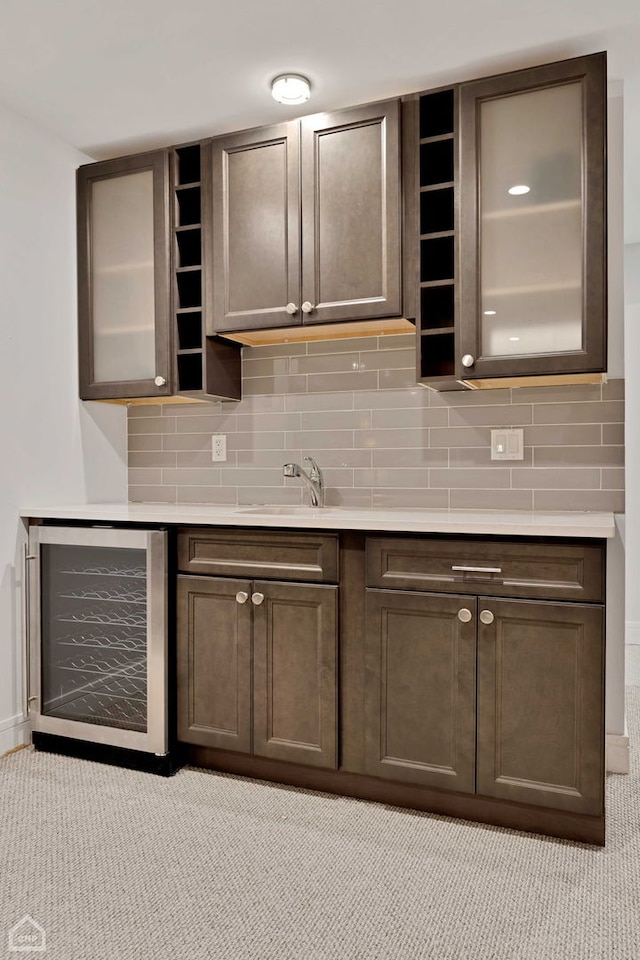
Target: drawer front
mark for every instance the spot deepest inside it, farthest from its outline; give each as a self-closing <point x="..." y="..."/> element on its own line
<point x="526" y="569"/>
<point x="306" y="557"/>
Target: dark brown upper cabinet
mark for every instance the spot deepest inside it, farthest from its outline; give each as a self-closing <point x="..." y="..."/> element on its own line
<point x="142" y="309"/>
<point x="123" y="278"/>
<point x="511" y="221"/>
<point x="306" y="221"/>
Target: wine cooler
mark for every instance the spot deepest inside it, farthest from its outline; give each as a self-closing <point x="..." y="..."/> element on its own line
<point x="97" y="644"/>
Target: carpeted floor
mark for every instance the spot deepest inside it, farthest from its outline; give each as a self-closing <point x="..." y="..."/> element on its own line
<point x="117" y="865"/>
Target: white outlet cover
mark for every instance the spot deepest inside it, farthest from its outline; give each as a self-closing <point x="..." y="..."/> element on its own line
<point x="218" y="447"/>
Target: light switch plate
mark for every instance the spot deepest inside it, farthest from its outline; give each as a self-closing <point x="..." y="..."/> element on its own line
<point x="507" y="444"/>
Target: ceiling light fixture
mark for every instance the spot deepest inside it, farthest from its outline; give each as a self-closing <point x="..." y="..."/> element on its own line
<point x="290" y="89"/>
<point x="518" y="190"/>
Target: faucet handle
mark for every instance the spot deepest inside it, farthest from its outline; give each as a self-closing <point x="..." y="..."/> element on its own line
<point x="290" y="470"/>
<point x="315" y="474"/>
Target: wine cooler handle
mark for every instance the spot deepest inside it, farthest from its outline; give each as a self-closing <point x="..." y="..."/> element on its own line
<point x="26" y="595"/>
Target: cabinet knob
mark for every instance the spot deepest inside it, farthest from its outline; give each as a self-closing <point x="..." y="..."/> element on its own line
<point x="486" y="616"/>
<point x="242" y="596"/>
<point x="257" y="598"/>
<point x="464" y="615"/>
<point x="468" y="360"/>
<point x="307" y="307"/>
<point x="159" y="381"/>
<point x="291" y="308"/>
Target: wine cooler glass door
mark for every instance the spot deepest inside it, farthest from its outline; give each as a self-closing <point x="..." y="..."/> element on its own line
<point x="98" y="628"/>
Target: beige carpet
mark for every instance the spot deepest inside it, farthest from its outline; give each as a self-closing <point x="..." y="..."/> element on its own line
<point x="118" y="865"/>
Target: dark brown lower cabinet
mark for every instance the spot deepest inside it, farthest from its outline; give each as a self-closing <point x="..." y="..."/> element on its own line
<point x="535" y="735"/>
<point x="257" y="668"/>
<point x="540" y="703"/>
<point x="420" y="688"/>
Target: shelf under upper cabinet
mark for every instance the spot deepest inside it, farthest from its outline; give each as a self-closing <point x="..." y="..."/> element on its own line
<point x="532" y="288"/>
<point x="557" y="206"/>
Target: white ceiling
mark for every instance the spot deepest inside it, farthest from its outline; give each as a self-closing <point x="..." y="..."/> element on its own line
<point x="116" y="76"/>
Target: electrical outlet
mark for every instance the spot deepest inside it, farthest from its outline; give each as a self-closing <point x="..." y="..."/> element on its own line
<point x="218" y="447"/>
<point x="507" y="444"/>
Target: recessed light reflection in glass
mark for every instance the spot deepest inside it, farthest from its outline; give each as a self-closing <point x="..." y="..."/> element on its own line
<point x="489" y="313"/>
<point x="513" y="339"/>
<point x="518" y="189"/>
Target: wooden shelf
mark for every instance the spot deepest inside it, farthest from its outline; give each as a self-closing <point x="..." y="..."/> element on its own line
<point x="437" y="234"/>
<point x="445" y="185"/>
<point x="189" y="226"/>
<point x="191" y="350"/>
<point x="191" y="269"/>
<point x="437" y="331"/>
<point x="183" y="310"/>
<point x="437" y="139"/>
<point x="188" y="186"/>
<point x="436" y="283"/>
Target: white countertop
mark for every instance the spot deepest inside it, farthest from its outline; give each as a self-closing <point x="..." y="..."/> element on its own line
<point x="496" y="522"/>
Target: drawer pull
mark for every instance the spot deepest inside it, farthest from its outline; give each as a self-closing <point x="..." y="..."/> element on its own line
<point x="486" y="617"/>
<point x="464" y="615"/>
<point x="257" y="598"/>
<point x="242" y="596"/>
<point x="477" y="569"/>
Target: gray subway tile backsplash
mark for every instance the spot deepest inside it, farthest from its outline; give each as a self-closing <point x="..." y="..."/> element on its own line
<point x="381" y="439"/>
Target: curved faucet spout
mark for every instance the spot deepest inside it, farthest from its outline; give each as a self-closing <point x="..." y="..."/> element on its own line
<point x="312" y="480"/>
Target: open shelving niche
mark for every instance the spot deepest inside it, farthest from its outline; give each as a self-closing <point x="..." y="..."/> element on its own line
<point x="206" y="367"/>
<point x="437" y="172"/>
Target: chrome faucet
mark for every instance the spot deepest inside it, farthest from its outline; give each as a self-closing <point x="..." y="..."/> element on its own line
<point x="313" y="480"/>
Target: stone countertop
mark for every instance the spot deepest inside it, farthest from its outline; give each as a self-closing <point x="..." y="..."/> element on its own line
<point x="487" y="522"/>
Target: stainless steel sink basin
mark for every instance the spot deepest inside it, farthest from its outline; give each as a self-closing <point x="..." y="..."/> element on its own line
<point x="284" y="511"/>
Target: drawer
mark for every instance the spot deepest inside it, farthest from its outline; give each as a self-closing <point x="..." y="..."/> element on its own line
<point x="492" y="568"/>
<point x="259" y="553"/>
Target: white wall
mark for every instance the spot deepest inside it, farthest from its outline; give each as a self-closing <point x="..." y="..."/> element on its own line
<point x="53" y="448"/>
<point x="632" y="438"/>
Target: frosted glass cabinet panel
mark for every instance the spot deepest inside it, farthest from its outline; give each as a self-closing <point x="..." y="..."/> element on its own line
<point x="531" y="222"/>
<point x="532" y="247"/>
<point x="123" y="295"/>
<point x="123" y="278"/>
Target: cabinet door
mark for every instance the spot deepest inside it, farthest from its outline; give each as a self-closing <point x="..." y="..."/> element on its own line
<point x="123" y="278"/>
<point x="256" y="229"/>
<point x="420" y="688"/>
<point x="533" y="221"/>
<point x="295" y="673"/>
<point x="351" y="214"/>
<point x="214" y="662"/>
<point x="540" y="703"/>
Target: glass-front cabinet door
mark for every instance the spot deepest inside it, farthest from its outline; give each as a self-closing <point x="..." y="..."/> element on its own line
<point x="533" y="217"/>
<point x="123" y="278"/>
<point x="98" y="635"/>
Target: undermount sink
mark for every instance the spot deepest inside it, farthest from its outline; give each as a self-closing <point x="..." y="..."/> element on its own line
<point x="284" y="511"/>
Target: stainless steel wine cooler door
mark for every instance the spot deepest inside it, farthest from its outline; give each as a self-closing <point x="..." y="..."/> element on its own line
<point x="98" y="635"/>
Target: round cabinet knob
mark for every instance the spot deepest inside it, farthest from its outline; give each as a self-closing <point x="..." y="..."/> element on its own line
<point x="159" y="381"/>
<point x="291" y="308"/>
<point x="257" y="598"/>
<point x="241" y="596"/>
<point x="464" y="615"/>
<point x="307" y="307"/>
<point x="486" y="616"/>
<point x="468" y="360"/>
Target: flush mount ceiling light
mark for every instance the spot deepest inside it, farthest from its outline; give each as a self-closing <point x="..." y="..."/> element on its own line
<point x="518" y="190"/>
<point x="290" y="89"/>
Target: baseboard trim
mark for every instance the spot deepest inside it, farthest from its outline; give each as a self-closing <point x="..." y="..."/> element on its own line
<point x="617" y="753"/>
<point x="632" y="631"/>
<point x="14" y="732"/>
